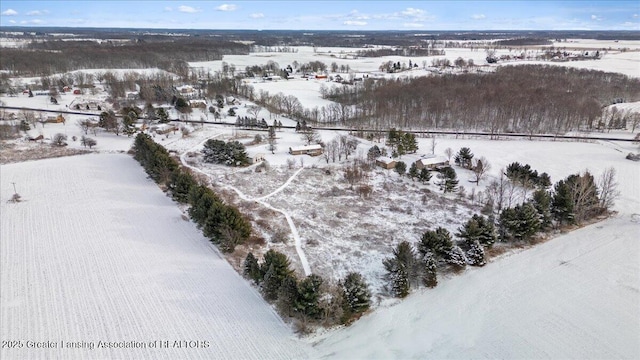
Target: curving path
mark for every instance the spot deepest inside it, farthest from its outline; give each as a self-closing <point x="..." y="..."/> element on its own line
<point x="260" y="200"/>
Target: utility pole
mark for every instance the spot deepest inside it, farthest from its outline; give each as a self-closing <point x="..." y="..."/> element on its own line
<point x="14" y="188"/>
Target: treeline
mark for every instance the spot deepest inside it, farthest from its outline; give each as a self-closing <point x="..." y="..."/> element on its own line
<point x="222" y="223"/>
<point x="573" y="200"/>
<point x="311" y="300"/>
<point x="528" y="99"/>
<point x="403" y="51"/>
<point x="56" y="56"/>
<point x="525" y="41"/>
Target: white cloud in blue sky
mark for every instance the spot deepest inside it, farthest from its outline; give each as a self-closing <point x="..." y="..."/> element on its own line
<point x="329" y="15"/>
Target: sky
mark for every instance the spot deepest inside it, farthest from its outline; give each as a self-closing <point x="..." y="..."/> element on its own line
<point x="327" y="15"/>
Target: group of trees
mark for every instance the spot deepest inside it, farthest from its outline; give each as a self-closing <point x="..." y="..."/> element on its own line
<point x="222" y="223"/>
<point x="526" y="176"/>
<point x="401" y="142"/>
<point x="437" y="250"/>
<point x="231" y="153"/>
<point x="59" y="56"/>
<point x="528" y="99"/>
<point x="310" y="299"/>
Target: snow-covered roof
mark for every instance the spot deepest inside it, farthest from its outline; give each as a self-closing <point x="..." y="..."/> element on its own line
<point x="306" y="148"/>
<point x="433" y="160"/>
<point x="385" y="160"/>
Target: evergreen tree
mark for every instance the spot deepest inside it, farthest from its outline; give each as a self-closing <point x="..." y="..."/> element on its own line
<point x="409" y="143"/>
<point x="309" y="295"/>
<point x="475" y="254"/>
<point x="463" y="158"/>
<point x="448" y="180"/>
<point x="24" y="125"/>
<point x="437" y="242"/>
<point x="400" y="282"/>
<point x="401" y="168"/>
<point x="478" y="228"/>
<point x="562" y="203"/>
<point x="425" y="175"/>
<point x="429" y="278"/>
<point x="251" y="268"/>
<point x="276" y="267"/>
<point x="456" y="258"/>
<point x="404" y="261"/>
<point x="520" y="222"/>
<point x="374" y="153"/>
<point x="180" y="185"/>
<point x="288" y="295"/>
<point x="541" y="200"/>
<point x="413" y="171"/>
<point x="357" y="297"/>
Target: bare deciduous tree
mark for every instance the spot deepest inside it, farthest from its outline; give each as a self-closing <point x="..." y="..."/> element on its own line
<point x="449" y="153"/>
<point x="59" y="139"/>
<point x="480" y="167"/>
<point x="608" y="187"/>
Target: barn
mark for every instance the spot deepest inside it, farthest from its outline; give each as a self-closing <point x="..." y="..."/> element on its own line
<point x="386" y="162"/>
<point x="432" y="162"/>
<point x="311" y="150"/>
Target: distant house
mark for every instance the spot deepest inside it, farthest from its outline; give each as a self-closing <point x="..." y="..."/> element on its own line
<point x="164" y="129"/>
<point x="56" y="119"/>
<point x="386" y="162"/>
<point x="200" y="104"/>
<point x="258" y="158"/>
<point x="321" y="76"/>
<point x="77" y="92"/>
<point x="432" y="162"/>
<point x="311" y="150"/>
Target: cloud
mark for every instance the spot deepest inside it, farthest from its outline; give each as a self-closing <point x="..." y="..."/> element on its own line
<point x="256" y="15"/>
<point x="37" y="12"/>
<point x="9" y="12"/>
<point x="226" y="7"/>
<point x="635" y="16"/>
<point x="168" y="8"/>
<point x="12" y="21"/>
<point x="478" y="16"/>
<point x="412" y="12"/>
<point x="413" y="25"/>
<point x="354" y="23"/>
<point x="356" y="15"/>
<point x="596" y="18"/>
<point x="188" y="9"/>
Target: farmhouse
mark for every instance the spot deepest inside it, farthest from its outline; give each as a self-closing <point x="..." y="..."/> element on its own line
<point x="55" y="119"/>
<point x="386" y="162"/>
<point x="432" y="162"/>
<point x="164" y="129"/>
<point x="311" y="150"/>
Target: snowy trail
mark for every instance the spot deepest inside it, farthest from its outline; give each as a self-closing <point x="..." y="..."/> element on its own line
<point x="260" y="200"/>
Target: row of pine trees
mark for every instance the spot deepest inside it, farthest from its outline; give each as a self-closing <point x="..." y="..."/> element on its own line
<point x="572" y="201"/>
<point x="310" y="300"/>
<point x="222" y="223"/>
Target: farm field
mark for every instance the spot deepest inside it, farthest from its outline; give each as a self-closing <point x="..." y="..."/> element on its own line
<point x="96" y="252"/>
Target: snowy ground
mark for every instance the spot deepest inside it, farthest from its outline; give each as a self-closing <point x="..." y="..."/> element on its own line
<point x="96" y="252"/>
<point x="576" y="296"/>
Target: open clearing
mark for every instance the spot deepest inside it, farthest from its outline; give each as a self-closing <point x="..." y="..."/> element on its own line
<point x="96" y="252"/>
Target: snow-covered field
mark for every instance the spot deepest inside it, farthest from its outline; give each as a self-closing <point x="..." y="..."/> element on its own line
<point x="96" y="252"/>
<point x="575" y="297"/>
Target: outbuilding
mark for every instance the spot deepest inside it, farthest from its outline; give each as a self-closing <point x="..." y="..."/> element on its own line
<point x="311" y="150"/>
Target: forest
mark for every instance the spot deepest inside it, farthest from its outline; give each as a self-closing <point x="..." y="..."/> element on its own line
<point x="524" y="99"/>
<point x="40" y="58"/>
